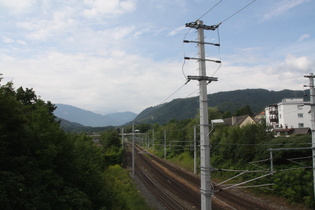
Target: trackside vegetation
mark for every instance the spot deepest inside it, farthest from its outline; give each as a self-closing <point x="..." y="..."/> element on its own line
<point x="235" y="149"/>
<point x="43" y="167"/>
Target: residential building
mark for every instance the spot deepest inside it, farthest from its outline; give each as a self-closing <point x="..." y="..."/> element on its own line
<point x="239" y="121"/>
<point x="260" y="118"/>
<point x="271" y="113"/>
<point x="289" y="113"/>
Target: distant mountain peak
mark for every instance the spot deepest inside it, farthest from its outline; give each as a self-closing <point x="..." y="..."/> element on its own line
<point x="88" y="118"/>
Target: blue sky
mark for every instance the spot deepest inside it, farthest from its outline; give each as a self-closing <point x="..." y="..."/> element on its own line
<point x="127" y="55"/>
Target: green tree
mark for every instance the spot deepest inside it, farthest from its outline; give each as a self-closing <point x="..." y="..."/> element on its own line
<point x="227" y="114"/>
<point x="41" y="167"/>
<point x="214" y="113"/>
<point x="246" y="110"/>
<point x="110" y="139"/>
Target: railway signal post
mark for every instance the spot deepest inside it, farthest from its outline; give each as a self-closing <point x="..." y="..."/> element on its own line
<point x="205" y="167"/>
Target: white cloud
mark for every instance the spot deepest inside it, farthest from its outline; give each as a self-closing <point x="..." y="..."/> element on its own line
<point x="297" y="64"/>
<point x="282" y="7"/>
<point x="15" y="7"/>
<point x="121" y="32"/>
<point x="163" y="4"/>
<point x="108" y="7"/>
<point x="94" y="82"/>
<point x="176" y="31"/>
<point x="304" y="37"/>
<point x="287" y="74"/>
<point x="8" y="40"/>
<point x="58" y="22"/>
<point x="126" y="82"/>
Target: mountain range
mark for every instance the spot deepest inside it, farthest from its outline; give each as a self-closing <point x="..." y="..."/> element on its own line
<point x="178" y="109"/>
<point x="88" y="118"/>
<point x="187" y="108"/>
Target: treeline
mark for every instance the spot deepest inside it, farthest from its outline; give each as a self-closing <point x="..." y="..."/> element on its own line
<point x="239" y="149"/>
<point x="228" y="101"/>
<point x="43" y="167"/>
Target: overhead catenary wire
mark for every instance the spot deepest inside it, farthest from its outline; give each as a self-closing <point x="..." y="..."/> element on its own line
<point x="173" y="93"/>
<point x="184" y="62"/>
<point x="184" y="50"/>
<point x="224" y="20"/>
<point x="219" y="51"/>
<point x="237" y="11"/>
<point x="190" y="29"/>
<point x="164" y="108"/>
<point x="209" y="10"/>
<point x="161" y="110"/>
<point x="237" y="144"/>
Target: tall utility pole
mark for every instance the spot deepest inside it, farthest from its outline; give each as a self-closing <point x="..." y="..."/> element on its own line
<point x="133" y="150"/>
<point x="205" y="167"/>
<point x="153" y="138"/>
<point x="312" y="103"/>
<point x="164" y="144"/>
<point x="195" y="150"/>
<point x="122" y="138"/>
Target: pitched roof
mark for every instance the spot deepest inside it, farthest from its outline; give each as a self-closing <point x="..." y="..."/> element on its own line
<point x="301" y="130"/>
<point x="235" y="120"/>
<point x="294" y="131"/>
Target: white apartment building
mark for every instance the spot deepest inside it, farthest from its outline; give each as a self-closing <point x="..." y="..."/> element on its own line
<point x="289" y="113"/>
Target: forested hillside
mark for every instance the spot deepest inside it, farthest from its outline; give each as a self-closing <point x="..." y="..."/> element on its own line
<point x="73" y="127"/>
<point x="187" y="108"/>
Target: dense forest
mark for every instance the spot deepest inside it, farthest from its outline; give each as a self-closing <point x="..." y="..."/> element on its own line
<point x="43" y="167"/>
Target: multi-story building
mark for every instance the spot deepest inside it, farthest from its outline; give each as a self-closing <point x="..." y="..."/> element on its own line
<point x="289" y="113"/>
<point x="271" y="115"/>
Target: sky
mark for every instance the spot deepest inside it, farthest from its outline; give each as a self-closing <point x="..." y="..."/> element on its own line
<point x="111" y="56"/>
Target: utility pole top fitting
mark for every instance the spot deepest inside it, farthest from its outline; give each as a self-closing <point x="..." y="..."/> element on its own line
<point x="187" y="41"/>
<point x="197" y="26"/>
<point x="199" y="78"/>
<point x="200" y="59"/>
<point x="309" y="76"/>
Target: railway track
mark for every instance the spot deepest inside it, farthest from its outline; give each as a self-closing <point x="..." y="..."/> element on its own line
<point x="168" y="201"/>
<point x="179" y="189"/>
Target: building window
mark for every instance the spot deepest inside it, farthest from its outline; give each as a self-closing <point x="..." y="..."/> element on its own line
<point x="300" y="115"/>
<point x="301" y="125"/>
<point x="300" y="107"/>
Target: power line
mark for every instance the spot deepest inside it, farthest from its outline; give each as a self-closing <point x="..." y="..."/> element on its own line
<point x="184" y="62"/>
<point x="238" y="11"/>
<point x="219" y="51"/>
<point x="160" y="111"/>
<point x="173" y="93"/>
<point x="209" y="10"/>
<point x="185" y="56"/>
<point x="236" y="144"/>
<point x="189" y="31"/>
